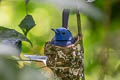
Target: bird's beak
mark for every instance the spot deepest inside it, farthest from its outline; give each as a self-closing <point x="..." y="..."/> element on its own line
<point x="54" y="30"/>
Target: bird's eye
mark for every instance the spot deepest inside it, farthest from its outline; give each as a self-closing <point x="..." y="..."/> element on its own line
<point x="63" y="33"/>
<point x="18" y="43"/>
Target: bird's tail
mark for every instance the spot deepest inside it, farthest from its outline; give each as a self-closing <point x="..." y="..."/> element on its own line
<point x="65" y="18"/>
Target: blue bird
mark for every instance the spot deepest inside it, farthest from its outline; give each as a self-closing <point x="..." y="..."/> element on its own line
<point x="63" y="37"/>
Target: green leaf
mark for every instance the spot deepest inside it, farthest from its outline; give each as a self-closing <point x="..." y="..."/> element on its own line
<point x="6" y="33"/>
<point x="27" y="24"/>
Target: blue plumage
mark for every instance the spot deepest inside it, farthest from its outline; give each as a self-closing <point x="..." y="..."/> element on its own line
<point x="63" y="37"/>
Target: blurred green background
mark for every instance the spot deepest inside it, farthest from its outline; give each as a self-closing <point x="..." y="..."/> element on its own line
<point x="101" y="37"/>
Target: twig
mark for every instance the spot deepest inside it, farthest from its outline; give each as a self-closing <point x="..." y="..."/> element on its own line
<point x="26" y="5"/>
<point x="81" y="41"/>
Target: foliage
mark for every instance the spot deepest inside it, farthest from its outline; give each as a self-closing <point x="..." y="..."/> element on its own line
<point x="6" y="34"/>
<point x="27" y="23"/>
<point x="101" y="38"/>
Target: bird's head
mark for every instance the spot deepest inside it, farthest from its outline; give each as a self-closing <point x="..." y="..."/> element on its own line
<point x="62" y="34"/>
<point x="13" y="42"/>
